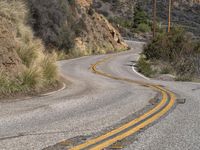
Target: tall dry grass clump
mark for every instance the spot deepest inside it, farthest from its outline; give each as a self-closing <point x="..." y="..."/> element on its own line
<point x="38" y="69"/>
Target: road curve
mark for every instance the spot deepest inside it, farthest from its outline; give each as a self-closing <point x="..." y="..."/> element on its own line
<point x="93" y="103"/>
<point x="109" y="138"/>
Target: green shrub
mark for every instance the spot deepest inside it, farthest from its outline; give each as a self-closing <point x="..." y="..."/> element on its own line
<point x="168" y="46"/>
<point x="177" y="50"/>
<point x="144" y="67"/>
<point x="140" y="17"/>
<point x="142" y="27"/>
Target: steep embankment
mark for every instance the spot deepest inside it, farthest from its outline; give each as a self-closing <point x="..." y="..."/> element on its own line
<point x="74" y="26"/>
<point x="23" y="65"/>
<point x="69" y="25"/>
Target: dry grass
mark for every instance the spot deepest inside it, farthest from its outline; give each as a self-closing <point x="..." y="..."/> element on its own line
<point x="49" y="68"/>
<point x="40" y="69"/>
<point x="8" y="86"/>
<point x="13" y="10"/>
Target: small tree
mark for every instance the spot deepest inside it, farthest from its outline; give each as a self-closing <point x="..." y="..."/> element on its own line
<point x="140" y="16"/>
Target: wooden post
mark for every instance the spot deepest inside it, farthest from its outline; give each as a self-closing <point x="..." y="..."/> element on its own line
<point x="154" y="18"/>
<point x="169" y="15"/>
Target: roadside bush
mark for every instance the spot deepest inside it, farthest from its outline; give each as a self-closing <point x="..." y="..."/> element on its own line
<point x="28" y="80"/>
<point x="168" y="46"/>
<point x="178" y="50"/>
<point x="144" y="67"/>
<point x="31" y="79"/>
<point x="8" y="86"/>
<point x="142" y="27"/>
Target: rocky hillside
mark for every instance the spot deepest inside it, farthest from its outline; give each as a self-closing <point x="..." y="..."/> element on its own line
<point x="119" y="12"/>
<point x="185" y="12"/>
<point x="29" y="30"/>
<point x="72" y="25"/>
<point x="24" y="67"/>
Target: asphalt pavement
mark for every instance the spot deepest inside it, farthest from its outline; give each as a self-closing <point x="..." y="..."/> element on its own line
<point x="91" y="103"/>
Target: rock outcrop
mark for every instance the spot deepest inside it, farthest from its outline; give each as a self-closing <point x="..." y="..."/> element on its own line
<point x="99" y="36"/>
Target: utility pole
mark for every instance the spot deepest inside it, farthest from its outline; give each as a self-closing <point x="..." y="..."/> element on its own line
<point x="169" y="16"/>
<point x="154" y="18"/>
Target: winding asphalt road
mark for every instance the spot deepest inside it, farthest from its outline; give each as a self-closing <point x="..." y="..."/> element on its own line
<point x="92" y="103"/>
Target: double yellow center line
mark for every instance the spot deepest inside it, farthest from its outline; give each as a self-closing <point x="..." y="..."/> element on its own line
<point x="103" y="141"/>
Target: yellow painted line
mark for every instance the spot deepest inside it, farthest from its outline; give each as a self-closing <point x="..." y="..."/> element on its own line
<point x="100" y="138"/>
<point x="137" y="128"/>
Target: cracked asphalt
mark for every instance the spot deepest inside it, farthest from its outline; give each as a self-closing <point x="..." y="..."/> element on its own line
<point x="91" y="103"/>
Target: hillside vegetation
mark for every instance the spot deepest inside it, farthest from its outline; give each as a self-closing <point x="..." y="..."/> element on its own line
<point x="24" y="66"/>
<point x="32" y="31"/>
<point x="74" y="27"/>
<point x="185" y="13"/>
<point x="172" y="53"/>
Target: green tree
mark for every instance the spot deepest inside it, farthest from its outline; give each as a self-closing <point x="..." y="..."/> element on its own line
<point x="140" y="17"/>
